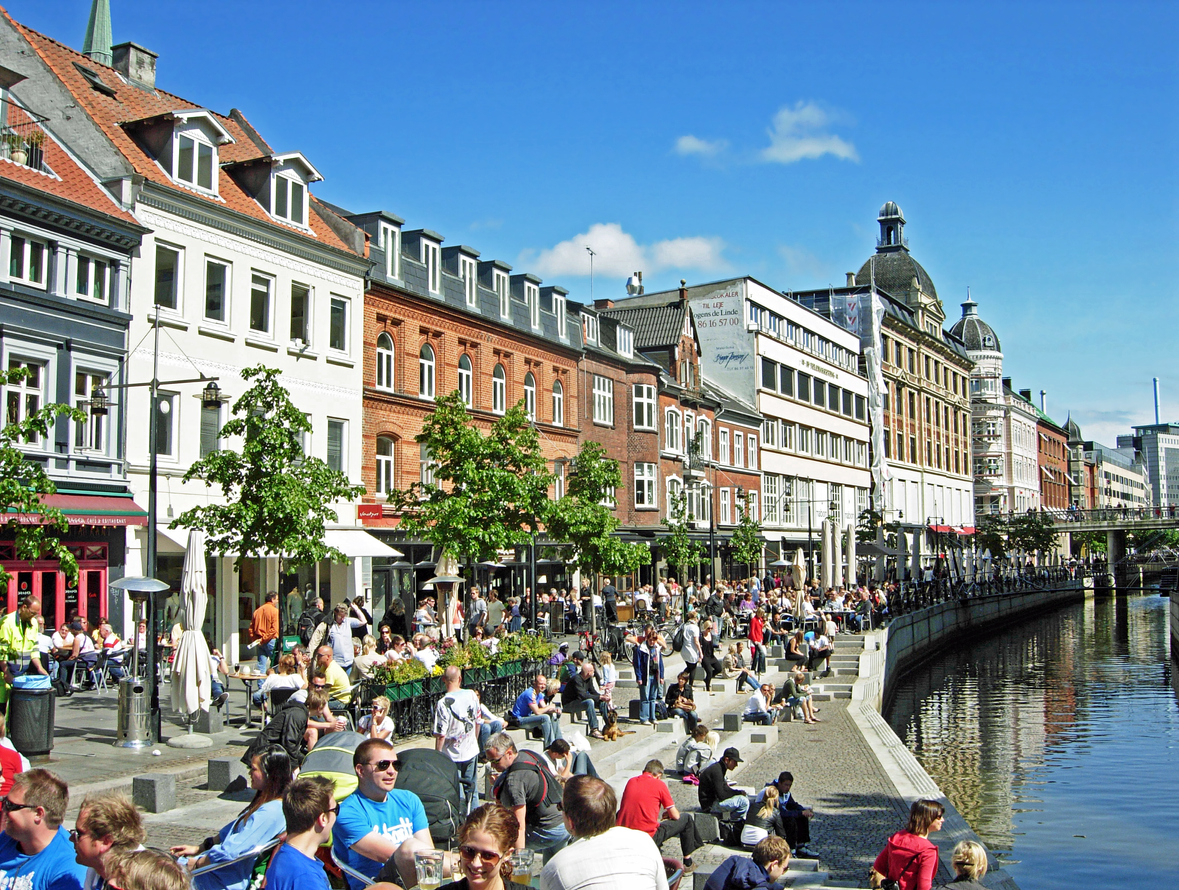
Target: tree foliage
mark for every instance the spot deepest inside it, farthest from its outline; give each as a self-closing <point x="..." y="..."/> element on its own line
<point x="1024" y="532"/>
<point x="488" y="492"/>
<point x="23" y="482"/>
<point x="746" y="542"/>
<point x="277" y="499"/>
<point x="683" y="553"/>
<point x="581" y="519"/>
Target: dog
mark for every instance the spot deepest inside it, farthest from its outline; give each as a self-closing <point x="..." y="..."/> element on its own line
<point x="613" y="732"/>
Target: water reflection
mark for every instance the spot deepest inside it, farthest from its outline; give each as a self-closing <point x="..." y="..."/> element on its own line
<point x="1055" y="739"/>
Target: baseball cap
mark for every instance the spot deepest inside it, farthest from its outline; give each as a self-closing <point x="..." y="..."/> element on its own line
<point x="732" y="754"/>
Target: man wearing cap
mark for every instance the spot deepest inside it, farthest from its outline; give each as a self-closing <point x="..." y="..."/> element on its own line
<point x="716" y="794"/>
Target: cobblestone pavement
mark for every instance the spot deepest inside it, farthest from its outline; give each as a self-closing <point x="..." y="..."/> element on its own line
<point x="856" y="805"/>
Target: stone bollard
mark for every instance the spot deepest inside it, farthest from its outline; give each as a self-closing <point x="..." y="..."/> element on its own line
<point x="155" y="792"/>
<point x="222" y="772"/>
<point x="732" y="723"/>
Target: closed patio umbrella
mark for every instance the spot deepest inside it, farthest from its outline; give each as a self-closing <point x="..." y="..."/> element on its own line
<point x="191" y="680"/>
<point x="851" y="555"/>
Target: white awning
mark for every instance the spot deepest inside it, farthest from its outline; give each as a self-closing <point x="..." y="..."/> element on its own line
<point x="356" y="542"/>
<point x="171" y="540"/>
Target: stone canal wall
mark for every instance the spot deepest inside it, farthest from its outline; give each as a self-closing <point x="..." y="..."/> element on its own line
<point x="910" y="639"/>
<point x="1174" y="627"/>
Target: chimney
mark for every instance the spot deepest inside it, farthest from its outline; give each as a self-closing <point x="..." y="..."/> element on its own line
<point x="683" y="290"/>
<point x="1026" y="395"/>
<point x="605" y="303"/>
<point x="851" y="279"/>
<point x="1007" y="383"/>
<point x="1156" y="401"/>
<point x="135" y="63"/>
<point x="1044" y="400"/>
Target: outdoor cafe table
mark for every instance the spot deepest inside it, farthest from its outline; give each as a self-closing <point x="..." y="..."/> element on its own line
<point x="249" y="681"/>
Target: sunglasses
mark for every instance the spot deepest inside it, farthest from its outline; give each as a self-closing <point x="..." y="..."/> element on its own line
<point x="9" y="807"/>
<point x="380" y="766"/>
<point x="489" y="858"/>
<point x="77" y="833"/>
<point x="334" y="811"/>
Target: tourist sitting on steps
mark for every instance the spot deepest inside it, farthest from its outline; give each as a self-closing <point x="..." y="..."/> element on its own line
<point x="716" y="795"/>
<point x="771" y="858"/>
<point x="694" y="754"/>
<point x="970" y="864"/>
<point x="763" y="820"/>
<point x="796" y="819"/>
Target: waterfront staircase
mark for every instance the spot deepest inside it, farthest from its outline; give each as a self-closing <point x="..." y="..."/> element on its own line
<point x="618" y="762"/>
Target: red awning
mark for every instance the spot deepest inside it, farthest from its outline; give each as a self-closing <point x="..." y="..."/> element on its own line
<point x="91" y="509"/>
<point x="943" y="529"/>
<point x="965" y="530"/>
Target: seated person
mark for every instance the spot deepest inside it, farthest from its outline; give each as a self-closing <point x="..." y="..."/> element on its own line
<point x="796" y="819"/>
<point x="292" y="728"/>
<point x="680" y="702"/>
<point x="377" y="724"/>
<point x="695" y="753"/>
<point x="737" y="660"/>
<point x="487" y="722"/>
<point x="796" y="694"/>
<point x="821" y="650"/>
<point x="339" y="686"/>
<point x="115" y="650"/>
<point x="531" y="710"/>
<point x="758" y="709"/>
<point x="309" y="809"/>
<point x="566" y="763"/>
<point x="284" y="676"/>
<point x="35" y="850"/>
<point x="217" y="670"/>
<point x="581" y="689"/>
<point x="82" y="655"/>
<point x="716" y="795"/>
<point x="771" y="858"/>
<point x="366" y="662"/>
<point x="763" y="819"/>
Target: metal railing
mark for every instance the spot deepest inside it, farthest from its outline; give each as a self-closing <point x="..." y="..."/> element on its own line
<point x="912" y="596"/>
<point x="23" y="143"/>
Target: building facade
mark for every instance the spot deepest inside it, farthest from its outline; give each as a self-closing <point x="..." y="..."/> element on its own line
<point x="1157" y="446"/>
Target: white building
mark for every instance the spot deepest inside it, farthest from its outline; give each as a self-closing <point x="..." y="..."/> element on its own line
<point x="1157" y="446"/>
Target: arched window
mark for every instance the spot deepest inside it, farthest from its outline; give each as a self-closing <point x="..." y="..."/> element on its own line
<point x="499" y="389"/>
<point x="426" y="372"/>
<point x="384" y="465"/>
<point x="464" y="379"/>
<point x="530" y="396"/>
<point x="385" y="362"/>
<point x="672" y="430"/>
<point x="558" y="403"/>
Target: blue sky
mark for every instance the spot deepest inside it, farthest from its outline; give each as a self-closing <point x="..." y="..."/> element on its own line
<point x="1030" y="145"/>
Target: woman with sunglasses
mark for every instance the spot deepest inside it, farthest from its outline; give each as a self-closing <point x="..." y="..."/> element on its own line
<point x="485" y="844"/>
<point x="261" y="821"/>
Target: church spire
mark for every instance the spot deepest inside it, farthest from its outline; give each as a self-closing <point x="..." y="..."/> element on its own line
<point x="98" y="41"/>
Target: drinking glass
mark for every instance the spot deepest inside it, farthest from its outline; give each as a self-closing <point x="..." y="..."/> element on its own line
<point x="522" y="866"/>
<point x="429" y="868"/>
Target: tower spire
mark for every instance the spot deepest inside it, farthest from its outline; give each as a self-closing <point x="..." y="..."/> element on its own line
<point x="98" y="40"/>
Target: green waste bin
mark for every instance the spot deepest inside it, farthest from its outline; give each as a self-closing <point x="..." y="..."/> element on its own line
<point x="30" y="720"/>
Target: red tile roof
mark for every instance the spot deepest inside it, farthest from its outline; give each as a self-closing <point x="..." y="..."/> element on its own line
<point x="131" y="102"/>
<point x="68" y="180"/>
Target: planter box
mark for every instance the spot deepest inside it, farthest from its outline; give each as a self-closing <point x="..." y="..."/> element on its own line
<point x="404" y="691"/>
<point x="435" y="684"/>
<point x="478" y="675"/>
<point x="510" y="669"/>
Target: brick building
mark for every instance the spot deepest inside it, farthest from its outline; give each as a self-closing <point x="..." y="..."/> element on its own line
<point x="1052" y="455"/>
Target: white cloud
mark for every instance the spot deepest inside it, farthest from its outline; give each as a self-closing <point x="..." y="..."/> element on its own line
<point x="800" y="132"/>
<point x="694" y="145"/>
<point x="801" y="262"/>
<point x="617" y="254"/>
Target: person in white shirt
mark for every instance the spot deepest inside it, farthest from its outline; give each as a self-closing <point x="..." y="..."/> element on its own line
<point x="603" y="854"/>
<point x="758" y="708"/>
<point x="377" y="724"/>
<point x="424" y="652"/>
<point x="691" y="648"/>
<point x="456" y="730"/>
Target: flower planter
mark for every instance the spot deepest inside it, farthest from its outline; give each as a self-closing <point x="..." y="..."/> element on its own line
<point x="404" y="691"/>
<point x="478" y="675"/>
<point x="510" y="669"/>
<point x="435" y="684"/>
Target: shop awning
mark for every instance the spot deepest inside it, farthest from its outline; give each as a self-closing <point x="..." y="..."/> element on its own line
<point x="943" y="529"/>
<point x="171" y="540"/>
<point x="356" y="542"/>
<point x="90" y="509"/>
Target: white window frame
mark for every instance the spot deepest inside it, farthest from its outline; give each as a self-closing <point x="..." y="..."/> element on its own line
<point x="385" y="466"/>
<point x="558" y="479"/>
<point x="789" y="436"/>
<point x="590" y="327"/>
<point x="644" y="400"/>
<point x="704" y="431"/>
<point x="431" y="256"/>
<point x="804" y="439"/>
<point x="170" y="413"/>
<point x="769" y="487"/>
<point x="675" y="488"/>
<point x="255" y="278"/>
<point x="751" y="445"/>
<point x="226" y="268"/>
<point x="673" y="431"/>
<point x="427" y="372"/>
<point x="466" y="380"/>
<point x="646" y="486"/>
<point x="603" y="400"/>
<point x="304" y="337"/>
<point x="751" y="504"/>
<point x="723" y="446"/>
<point x="626" y="342"/>
<point x="426" y="465"/>
<point x="530" y="396"/>
<point x="177" y="279"/>
<point x="738" y="449"/>
<point x="340" y="424"/>
<point x="559" y="312"/>
<point x="499" y="389"/>
<point x="558" y="403"/>
<point x="502" y="288"/>
<point x="532" y="298"/>
<point x="29" y="247"/>
<point x="726" y="510"/>
<point x="287" y="184"/>
<point x="23" y="390"/>
<point x="199" y="140"/>
<point x="345" y="306"/>
<point x="391" y="241"/>
<point x="88" y="265"/>
<point x="469" y="273"/>
<point x="93" y="430"/>
<point x="386" y="362"/>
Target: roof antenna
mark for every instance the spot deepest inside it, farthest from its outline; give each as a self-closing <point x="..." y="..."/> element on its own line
<point x="592" y="255"/>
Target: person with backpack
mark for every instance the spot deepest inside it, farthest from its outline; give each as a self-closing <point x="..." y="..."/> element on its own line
<point x="526" y="786"/>
<point x="648" y="665"/>
<point x="311" y="618"/>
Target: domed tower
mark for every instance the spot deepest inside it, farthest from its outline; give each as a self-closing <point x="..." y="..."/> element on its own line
<point x="982" y="345"/>
<point x="989" y="449"/>
<point x="895" y="271"/>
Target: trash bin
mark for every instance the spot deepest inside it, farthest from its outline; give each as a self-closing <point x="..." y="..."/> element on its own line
<point x="134" y="724"/>
<point x="30" y="720"/>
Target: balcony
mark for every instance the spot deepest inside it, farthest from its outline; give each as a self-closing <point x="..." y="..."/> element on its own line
<point x="22" y="140"/>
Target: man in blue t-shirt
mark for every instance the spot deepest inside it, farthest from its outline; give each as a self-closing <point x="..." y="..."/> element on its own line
<point x="379" y="825"/>
<point x="310" y="811"/>
<point x="35" y="851"/>
<point x="530" y="710"/>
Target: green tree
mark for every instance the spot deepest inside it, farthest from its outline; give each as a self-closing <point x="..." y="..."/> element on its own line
<point x="277" y="499"/>
<point x="487" y="492"/>
<point x="1031" y="532"/>
<point x="683" y="553"/>
<point x="24" y="482"/>
<point x="582" y="520"/>
<point x="746" y="542"/>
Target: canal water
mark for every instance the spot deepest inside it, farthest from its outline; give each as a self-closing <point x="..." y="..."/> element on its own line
<point x="1058" y="741"/>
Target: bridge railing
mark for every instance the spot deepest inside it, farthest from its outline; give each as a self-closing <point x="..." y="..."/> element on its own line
<point x="915" y="595"/>
<point x="1112" y="514"/>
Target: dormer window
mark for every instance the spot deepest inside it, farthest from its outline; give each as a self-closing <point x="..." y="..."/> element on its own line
<point x="432" y="259"/>
<point x="501" y="289"/>
<point x="532" y="298"/>
<point x="559" y="311"/>
<point x="590" y="325"/>
<point x="626" y="342"/>
<point x="290" y="200"/>
<point x="195" y="161"/>
<point x="469" y="273"/>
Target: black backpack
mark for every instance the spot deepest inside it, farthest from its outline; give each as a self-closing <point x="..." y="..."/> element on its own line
<point x="550" y="788"/>
<point x="308" y="621"/>
<point x="677" y="640"/>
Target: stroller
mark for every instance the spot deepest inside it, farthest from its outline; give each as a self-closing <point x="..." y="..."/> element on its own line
<point x="434" y="778"/>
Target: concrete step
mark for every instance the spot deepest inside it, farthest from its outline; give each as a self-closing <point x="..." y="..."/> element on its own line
<point x="801" y="873"/>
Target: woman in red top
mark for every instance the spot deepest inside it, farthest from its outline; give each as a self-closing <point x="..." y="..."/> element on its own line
<point x="909" y="858"/>
<point x="757" y="625"/>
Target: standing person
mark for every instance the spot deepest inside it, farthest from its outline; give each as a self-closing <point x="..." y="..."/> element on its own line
<point x="264" y="630"/>
<point x="339" y="634"/>
<point x="478" y="616"/>
<point x="310" y="620"/>
<point x="495" y="611"/>
<point x="35" y="851"/>
<point x="709" y="641"/>
<point x="909" y="857"/>
<point x="610" y="600"/>
<point x="106" y="824"/>
<point x="485" y="846"/>
<point x="757" y="623"/>
<point x="366" y="619"/>
<point x="309" y="808"/>
<point x="691" y="649"/>
<point x="19" y="650"/>
<point x="260" y="822"/>
<point x="715" y="793"/>
<point x="526" y="786"/>
<point x="647" y="806"/>
<point x="531" y="710"/>
<point x="648" y="665"/>
<point x="605" y="854"/>
<point x="394" y="618"/>
<point x="456" y="730"/>
<point x="377" y="823"/>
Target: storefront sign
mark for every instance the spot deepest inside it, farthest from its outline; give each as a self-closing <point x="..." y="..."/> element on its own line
<point x="369" y="511"/>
